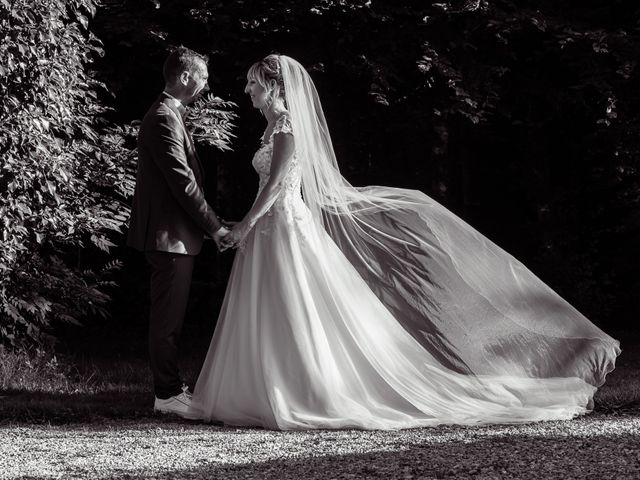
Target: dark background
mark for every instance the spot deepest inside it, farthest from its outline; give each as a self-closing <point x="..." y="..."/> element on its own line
<point x="521" y="118"/>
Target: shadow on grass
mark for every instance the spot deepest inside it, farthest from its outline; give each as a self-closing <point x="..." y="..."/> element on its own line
<point x="79" y="390"/>
<point x="58" y="408"/>
<point x="23" y="407"/>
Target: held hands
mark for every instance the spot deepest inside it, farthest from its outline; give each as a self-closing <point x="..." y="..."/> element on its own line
<point x="218" y="237"/>
<point x="237" y="234"/>
<point x="230" y="234"/>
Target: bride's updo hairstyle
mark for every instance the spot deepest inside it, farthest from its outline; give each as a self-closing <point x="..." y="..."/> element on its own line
<point x="264" y="72"/>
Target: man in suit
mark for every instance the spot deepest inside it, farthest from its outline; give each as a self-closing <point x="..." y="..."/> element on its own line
<point x="170" y="218"/>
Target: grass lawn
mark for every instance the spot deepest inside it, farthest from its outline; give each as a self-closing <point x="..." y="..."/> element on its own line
<point x="39" y="388"/>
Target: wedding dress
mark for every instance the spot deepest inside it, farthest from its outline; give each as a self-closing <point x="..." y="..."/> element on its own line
<point x="415" y="320"/>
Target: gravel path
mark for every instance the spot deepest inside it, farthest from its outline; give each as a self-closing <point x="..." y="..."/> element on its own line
<point x="597" y="446"/>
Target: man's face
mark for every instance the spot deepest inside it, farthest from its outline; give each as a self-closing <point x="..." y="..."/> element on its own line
<point x="197" y="82"/>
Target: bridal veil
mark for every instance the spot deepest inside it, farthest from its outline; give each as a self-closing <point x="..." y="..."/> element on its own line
<point x="473" y="307"/>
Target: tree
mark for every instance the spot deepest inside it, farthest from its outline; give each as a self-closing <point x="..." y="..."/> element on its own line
<point x="64" y="175"/>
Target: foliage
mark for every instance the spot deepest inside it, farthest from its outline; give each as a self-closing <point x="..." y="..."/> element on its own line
<point x="557" y="92"/>
<point x="67" y="173"/>
<point x="211" y="122"/>
<point x="64" y="177"/>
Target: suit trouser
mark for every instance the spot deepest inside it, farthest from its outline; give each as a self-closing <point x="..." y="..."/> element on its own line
<point x="170" y="284"/>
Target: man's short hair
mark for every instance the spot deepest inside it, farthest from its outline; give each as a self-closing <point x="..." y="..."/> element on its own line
<point x="182" y="59"/>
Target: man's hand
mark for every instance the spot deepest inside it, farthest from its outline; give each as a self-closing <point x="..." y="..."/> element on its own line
<point x="218" y="236"/>
<point x="237" y="234"/>
<point x="230" y="241"/>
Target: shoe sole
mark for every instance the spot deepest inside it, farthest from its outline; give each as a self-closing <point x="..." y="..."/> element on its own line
<point x="186" y="416"/>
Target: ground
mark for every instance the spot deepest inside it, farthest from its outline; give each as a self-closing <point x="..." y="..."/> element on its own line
<point x="596" y="446"/>
<point x="68" y="418"/>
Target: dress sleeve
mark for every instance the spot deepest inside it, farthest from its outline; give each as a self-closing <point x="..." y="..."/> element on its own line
<point x="283" y="125"/>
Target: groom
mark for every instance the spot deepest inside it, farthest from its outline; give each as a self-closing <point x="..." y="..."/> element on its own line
<point x="170" y="218"/>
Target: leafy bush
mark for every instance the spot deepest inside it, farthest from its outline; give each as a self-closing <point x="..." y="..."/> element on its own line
<point x="66" y="174"/>
<point x="211" y="122"/>
<point x="64" y="177"/>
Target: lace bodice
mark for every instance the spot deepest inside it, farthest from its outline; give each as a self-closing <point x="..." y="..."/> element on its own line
<point x="262" y="164"/>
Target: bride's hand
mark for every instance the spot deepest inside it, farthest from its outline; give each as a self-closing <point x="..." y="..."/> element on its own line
<point x="237" y="234"/>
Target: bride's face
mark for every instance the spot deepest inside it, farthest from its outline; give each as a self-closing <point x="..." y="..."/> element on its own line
<point x="259" y="95"/>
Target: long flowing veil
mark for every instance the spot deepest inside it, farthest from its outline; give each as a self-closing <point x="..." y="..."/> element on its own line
<point x="470" y="304"/>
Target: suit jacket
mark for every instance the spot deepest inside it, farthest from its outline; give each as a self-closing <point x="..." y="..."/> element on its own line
<point x="169" y="211"/>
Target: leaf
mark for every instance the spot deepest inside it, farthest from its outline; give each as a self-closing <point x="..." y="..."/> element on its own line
<point x="51" y="188"/>
<point x="12" y="311"/>
<point x="102" y="243"/>
<point x="69" y="319"/>
<point x="42" y="303"/>
<point x="84" y="21"/>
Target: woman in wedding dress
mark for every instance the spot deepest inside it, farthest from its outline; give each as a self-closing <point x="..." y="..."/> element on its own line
<point x="376" y="307"/>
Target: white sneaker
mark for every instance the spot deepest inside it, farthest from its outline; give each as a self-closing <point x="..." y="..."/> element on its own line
<point x="179" y="405"/>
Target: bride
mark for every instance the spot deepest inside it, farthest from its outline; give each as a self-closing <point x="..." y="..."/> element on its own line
<point x="376" y="307"/>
